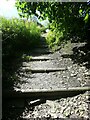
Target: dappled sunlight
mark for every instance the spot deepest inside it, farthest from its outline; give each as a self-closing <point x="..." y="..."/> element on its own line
<point x="46" y="60"/>
<point x="81" y="55"/>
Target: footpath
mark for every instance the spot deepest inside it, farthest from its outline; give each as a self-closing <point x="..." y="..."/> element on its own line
<point x="50" y="85"/>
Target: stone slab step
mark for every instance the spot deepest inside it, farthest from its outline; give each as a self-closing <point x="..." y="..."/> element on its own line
<point x="45" y="94"/>
<point x="42" y="70"/>
<point x="44" y="63"/>
<point x="28" y="58"/>
<point x="40" y="58"/>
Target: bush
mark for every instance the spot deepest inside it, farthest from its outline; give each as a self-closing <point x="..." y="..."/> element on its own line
<point x="18" y="35"/>
<point x="54" y="38"/>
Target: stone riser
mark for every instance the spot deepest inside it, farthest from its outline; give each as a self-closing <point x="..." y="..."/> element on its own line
<point x="46" y="94"/>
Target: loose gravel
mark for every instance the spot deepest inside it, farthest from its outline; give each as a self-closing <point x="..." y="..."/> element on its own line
<point x="74" y="76"/>
<point x="70" y="107"/>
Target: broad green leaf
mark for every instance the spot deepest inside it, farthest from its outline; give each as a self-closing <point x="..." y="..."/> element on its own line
<point x="86" y="17"/>
<point x="80" y="11"/>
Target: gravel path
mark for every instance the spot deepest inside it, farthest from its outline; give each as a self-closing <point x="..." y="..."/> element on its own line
<point x="70" y="107"/>
<point x="73" y="76"/>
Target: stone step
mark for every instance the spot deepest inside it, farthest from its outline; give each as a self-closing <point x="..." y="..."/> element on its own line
<point x="48" y="80"/>
<point x="43" y="63"/>
<point x="50" y="94"/>
<point x="40" y="58"/>
<point x="42" y="70"/>
<point x="27" y="59"/>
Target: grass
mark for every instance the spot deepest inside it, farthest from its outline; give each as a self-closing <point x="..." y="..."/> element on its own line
<point x="26" y="58"/>
<point x="18" y="37"/>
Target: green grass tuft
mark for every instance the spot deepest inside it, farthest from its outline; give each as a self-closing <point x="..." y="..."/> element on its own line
<point x="18" y="35"/>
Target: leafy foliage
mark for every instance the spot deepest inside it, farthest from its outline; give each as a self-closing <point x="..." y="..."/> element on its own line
<point x="54" y="38"/>
<point x="18" y="35"/>
<point x="71" y="19"/>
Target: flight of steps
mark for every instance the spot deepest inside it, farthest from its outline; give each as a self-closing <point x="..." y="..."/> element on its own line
<point x="44" y="76"/>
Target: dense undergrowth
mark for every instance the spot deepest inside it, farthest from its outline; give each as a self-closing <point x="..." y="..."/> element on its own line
<point x="59" y="34"/>
<point x="68" y="20"/>
<point x="18" y="37"/>
<point x="54" y="38"/>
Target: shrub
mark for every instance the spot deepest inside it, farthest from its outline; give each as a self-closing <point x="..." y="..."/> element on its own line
<point x="54" y="38"/>
<point x="18" y="35"/>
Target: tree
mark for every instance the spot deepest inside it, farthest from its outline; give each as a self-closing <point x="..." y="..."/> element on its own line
<point x="69" y="17"/>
